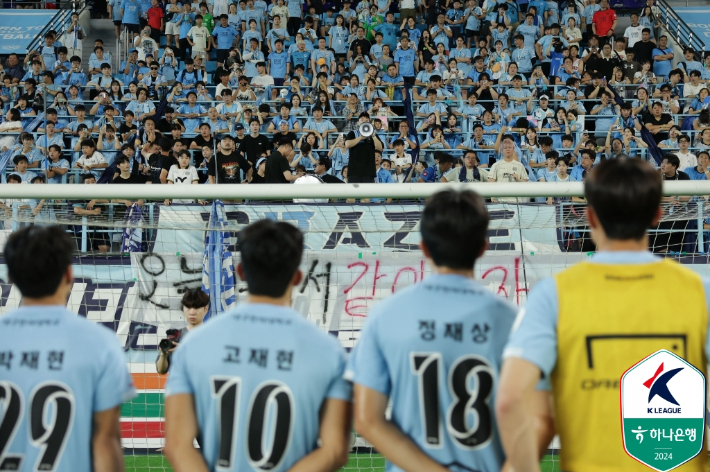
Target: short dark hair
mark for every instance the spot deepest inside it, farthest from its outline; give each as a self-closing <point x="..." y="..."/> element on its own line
<point x="45" y="250"/>
<point x="195" y="298"/>
<point x="454" y="226"/>
<point x="672" y="160"/>
<point x="625" y="194"/>
<point x="271" y="252"/>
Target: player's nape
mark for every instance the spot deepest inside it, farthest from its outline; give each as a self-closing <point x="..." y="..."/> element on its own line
<point x="38" y="258"/>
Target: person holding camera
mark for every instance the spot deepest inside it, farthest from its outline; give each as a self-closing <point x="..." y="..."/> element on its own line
<point x="195" y="304"/>
<point x="74" y="36"/>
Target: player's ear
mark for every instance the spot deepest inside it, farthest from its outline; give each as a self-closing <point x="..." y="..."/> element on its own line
<point x="485" y="247"/>
<point x="240" y="272"/>
<point x="592" y="217"/>
<point x="424" y="249"/>
<point x="657" y="217"/>
<point x="297" y="278"/>
<point x="69" y="276"/>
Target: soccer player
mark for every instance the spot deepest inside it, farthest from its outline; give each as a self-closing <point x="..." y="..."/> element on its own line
<point x="261" y="384"/>
<point x="583" y="337"/>
<point x="435" y="350"/>
<point x="62" y="378"/>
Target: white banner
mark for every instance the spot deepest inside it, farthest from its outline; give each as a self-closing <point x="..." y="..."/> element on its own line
<point x="356" y="228"/>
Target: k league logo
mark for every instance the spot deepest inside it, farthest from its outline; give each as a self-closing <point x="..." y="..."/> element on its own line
<point x="663" y="411"/>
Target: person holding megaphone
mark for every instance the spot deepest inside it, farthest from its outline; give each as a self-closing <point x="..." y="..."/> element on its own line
<point x="362" y="143"/>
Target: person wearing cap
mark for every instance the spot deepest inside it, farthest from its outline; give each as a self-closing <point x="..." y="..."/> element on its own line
<point x="543" y="111"/>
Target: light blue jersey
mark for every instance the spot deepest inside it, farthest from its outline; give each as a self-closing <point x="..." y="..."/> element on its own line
<point x="435" y="349"/>
<point x="535" y="339"/>
<point x="250" y="364"/>
<point x="53" y="362"/>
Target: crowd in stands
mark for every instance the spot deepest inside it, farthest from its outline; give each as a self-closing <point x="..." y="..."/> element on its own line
<point x="456" y="91"/>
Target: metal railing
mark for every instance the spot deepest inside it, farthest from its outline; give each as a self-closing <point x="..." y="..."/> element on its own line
<point x="678" y="29"/>
<point x="57" y="23"/>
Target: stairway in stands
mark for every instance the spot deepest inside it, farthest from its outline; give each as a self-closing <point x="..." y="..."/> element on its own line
<point x="104" y="30"/>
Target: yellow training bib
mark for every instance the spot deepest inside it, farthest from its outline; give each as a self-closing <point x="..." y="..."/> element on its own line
<point x="610" y="317"/>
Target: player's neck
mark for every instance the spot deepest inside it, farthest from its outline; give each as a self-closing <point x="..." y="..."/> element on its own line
<point x="449" y="271"/>
<point x="284" y="300"/>
<point x="622" y="245"/>
<point x="58" y="299"/>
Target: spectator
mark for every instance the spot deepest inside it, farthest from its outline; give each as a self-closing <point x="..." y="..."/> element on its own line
<point x="91" y="160"/>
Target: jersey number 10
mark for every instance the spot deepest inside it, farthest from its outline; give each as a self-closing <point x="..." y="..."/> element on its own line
<point x="270" y="394"/>
<point x="469" y="421"/>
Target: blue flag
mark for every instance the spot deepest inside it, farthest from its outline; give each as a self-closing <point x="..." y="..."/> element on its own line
<point x="132" y="237"/>
<point x="217" y="265"/>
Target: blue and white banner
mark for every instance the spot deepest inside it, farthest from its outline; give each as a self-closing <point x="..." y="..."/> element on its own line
<point x="355" y="228"/>
<point x="19" y="27"/>
<point x="698" y="19"/>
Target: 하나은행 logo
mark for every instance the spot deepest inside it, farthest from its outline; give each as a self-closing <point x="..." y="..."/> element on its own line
<point x="663" y="411"/>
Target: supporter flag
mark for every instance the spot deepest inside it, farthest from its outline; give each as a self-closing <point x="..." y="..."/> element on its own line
<point x="653" y="150"/>
<point x="132" y="237"/>
<point x="410" y="120"/>
<point x="217" y="265"/>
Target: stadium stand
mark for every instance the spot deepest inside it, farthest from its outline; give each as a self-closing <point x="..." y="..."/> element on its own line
<point x="435" y="77"/>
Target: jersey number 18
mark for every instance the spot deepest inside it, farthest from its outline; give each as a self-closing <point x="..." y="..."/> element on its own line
<point x="468" y="403"/>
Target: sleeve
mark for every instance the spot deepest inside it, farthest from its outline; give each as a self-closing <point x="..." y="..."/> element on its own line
<point x="211" y="170"/>
<point x="367" y="365"/>
<point x="350" y="136"/>
<point x="171" y="174"/>
<point x="166" y="163"/>
<point x="193" y="174"/>
<point x="244" y="164"/>
<point x="340" y="388"/>
<point x="534" y="335"/>
<point x="451" y="176"/>
<point x="114" y="384"/>
<point x="179" y="380"/>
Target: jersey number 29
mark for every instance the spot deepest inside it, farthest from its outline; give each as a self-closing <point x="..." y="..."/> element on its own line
<point x="270" y="395"/>
<point x="49" y="438"/>
<point x="469" y="421"/>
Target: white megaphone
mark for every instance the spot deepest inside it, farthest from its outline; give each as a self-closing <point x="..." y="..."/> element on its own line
<point x="366" y="129"/>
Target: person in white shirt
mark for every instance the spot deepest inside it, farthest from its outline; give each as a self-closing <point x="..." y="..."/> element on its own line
<point x="182" y="173"/>
<point x="633" y="32"/>
<point x="198" y="37"/>
<point x="91" y="160"/>
<point x="402" y="161"/>
<point x="262" y="79"/>
<point x="509" y="169"/>
<point x="145" y="44"/>
<point x="687" y="158"/>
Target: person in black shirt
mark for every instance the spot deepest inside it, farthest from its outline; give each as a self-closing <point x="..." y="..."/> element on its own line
<point x="359" y="41"/>
<point x="204" y="138"/>
<point x="151" y="153"/>
<point x="283" y="132"/>
<point x="278" y="170"/>
<point x="259" y="177"/>
<point x="176" y="133"/>
<point x="643" y="50"/>
<point x="125" y="176"/>
<point x="170" y="158"/>
<point x="321" y="170"/>
<point x="658" y="123"/>
<point x="165" y="125"/>
<point x="229" y="162"/>
<point x="256" y="145"/>
<point x="671" y="241"/>
<point x="239" y="138"/>
<point x="362" y="168"/>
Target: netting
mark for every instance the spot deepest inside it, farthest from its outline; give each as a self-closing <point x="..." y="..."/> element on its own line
<point x="134" y="263"/>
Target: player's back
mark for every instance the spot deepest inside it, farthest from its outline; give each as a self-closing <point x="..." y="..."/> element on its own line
<point x="610" y="316"/>
<point x="435" y="350"/>
<point x="56" y="370"/>
<point x="260" y="375"/>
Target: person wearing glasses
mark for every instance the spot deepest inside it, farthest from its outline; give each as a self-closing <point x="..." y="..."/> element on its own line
<point x="154" y="80"/>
